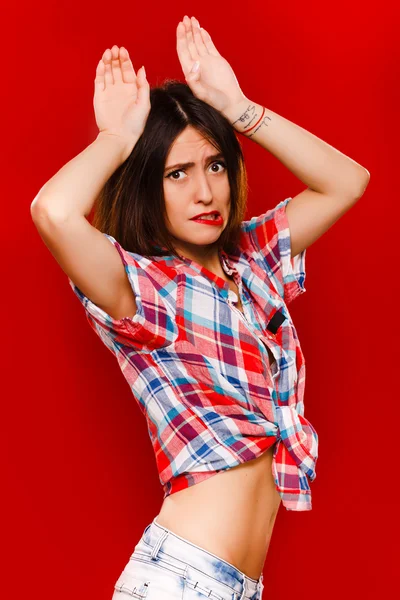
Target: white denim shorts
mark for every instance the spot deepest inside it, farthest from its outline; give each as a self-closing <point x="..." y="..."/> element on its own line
<point x="165" y="566"/>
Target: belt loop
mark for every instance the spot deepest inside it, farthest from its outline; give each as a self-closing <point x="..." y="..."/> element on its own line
<point x="242" y="595"/>
<point x="261" y="584"/>
<point x="157" y="546"/>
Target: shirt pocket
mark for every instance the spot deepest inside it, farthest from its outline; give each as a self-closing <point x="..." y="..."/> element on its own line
<point x="269" y="310"/>
<point x="215" y="331"/>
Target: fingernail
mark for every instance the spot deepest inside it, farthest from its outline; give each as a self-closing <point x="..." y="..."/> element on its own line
<point x="144" y="71"/>
<point x="195" y="67"/>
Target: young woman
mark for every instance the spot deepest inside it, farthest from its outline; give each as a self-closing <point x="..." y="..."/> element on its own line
<point x="195" y="307"/>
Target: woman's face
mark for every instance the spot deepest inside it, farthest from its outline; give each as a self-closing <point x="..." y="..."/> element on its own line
<point x="191" y="190"/>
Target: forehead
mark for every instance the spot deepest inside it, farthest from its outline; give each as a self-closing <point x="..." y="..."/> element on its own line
<point x="189" y="144"/>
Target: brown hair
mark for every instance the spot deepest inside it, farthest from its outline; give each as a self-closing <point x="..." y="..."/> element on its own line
<point x="131" y="205"/>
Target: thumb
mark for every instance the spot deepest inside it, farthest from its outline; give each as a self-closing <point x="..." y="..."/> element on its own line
<point x="194" y="73"/>
<point x="143" y="89"/>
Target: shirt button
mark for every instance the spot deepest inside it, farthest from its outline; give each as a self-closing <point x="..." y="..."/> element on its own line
<point x="233" y="296"/>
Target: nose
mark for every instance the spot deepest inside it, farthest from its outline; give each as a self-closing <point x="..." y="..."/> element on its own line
<point x="202" y="188"/>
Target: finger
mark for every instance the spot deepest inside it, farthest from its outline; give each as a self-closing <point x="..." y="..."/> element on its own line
<point x="99" y="79"/>
<point x="189" y="37"/>
<point x="182" y="49"/>
<point x="108" y="76"/>
<point x="128" y="72"/>
<point x="115" y="66"/>
<point x="198" y="40"/>
<point x="208" y="42"/>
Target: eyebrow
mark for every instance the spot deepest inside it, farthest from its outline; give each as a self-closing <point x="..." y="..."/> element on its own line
<point x="191" y="164"/>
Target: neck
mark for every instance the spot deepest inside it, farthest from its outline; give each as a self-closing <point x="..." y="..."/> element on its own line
<point x="208" y="258"/>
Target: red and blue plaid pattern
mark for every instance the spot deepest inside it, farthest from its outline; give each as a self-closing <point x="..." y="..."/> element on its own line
<point x="199" y="368"/>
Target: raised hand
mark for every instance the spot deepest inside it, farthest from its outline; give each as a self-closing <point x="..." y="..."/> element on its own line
<point x="121" y="98"/>
<point x="214" y="82"/>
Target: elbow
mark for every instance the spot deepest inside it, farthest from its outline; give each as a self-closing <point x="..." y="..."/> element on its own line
<point x="364" y="183"/>
<point x="44" y="211"/>
<point x="359" y="184"/>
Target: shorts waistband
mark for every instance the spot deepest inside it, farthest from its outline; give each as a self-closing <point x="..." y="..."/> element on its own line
<point x="158" y="537"/>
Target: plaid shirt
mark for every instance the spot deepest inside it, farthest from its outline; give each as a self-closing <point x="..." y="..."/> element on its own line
<point x="199" y="369"/>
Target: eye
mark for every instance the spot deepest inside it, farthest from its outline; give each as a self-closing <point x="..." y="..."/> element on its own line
<point x="218" y="162"/>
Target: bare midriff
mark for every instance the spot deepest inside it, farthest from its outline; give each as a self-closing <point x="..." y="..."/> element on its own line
<point x="232" y="513"/>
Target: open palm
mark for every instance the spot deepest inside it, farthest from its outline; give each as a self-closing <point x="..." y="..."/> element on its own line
<point x="122" y="97"/>
<point x="214" y="82"/>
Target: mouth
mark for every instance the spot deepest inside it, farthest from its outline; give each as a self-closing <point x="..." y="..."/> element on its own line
<point x="211" y="219"/>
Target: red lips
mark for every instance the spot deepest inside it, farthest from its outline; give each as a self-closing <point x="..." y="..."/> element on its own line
<point x="218" y="221"/>
<point x="213" y="212"/>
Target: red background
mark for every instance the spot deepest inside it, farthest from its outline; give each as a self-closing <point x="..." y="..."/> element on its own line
<point x="79" y="481"/>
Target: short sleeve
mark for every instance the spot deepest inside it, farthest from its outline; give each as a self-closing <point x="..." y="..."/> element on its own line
<point x="129" y="331"/>
<point x="267" y="238"/>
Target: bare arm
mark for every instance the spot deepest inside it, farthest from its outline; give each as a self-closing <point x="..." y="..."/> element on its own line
<point x="316" y="163"/>
<point x="85" y="255"/>
<point x="59" y="210"/>
<point x="89" y="259"/>
<point x="74" y="188"/>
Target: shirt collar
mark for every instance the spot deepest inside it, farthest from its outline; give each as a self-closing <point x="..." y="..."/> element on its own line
<point x="227" y="266"/>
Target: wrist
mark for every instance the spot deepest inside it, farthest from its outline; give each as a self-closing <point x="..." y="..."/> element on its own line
<point x="243" y="114"/>
<point x="123" y="144"/>
<point x="235" y="110"/>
